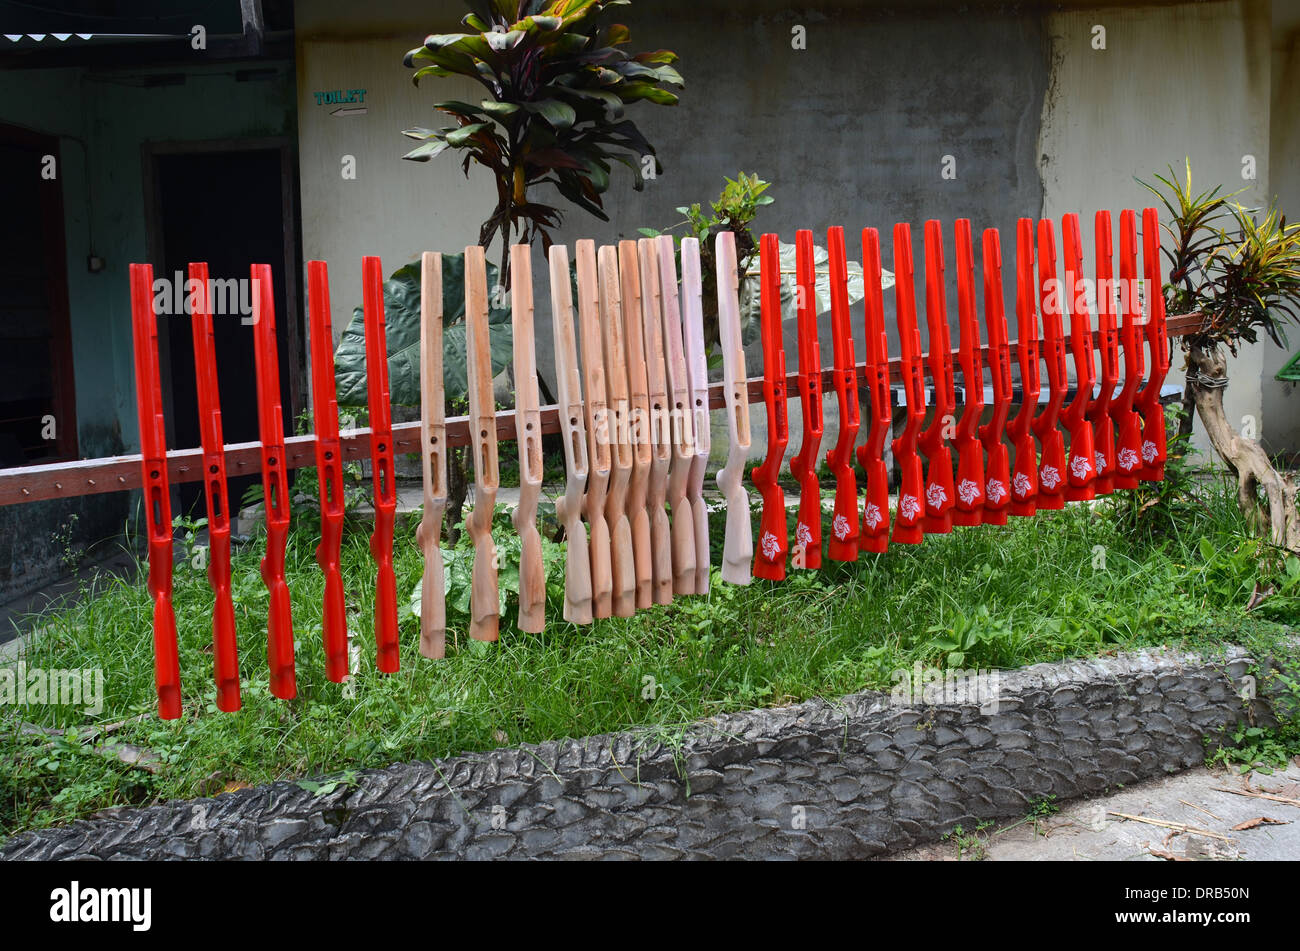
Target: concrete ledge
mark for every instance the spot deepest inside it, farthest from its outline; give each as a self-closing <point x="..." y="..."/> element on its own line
<point x="851" y="779"/>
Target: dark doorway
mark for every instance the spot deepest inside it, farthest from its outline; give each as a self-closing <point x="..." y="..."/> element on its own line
<point x="38" y="421"/>
<point x="229" y="209"/>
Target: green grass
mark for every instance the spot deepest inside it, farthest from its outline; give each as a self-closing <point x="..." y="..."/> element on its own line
<point x="1071" y="583"/>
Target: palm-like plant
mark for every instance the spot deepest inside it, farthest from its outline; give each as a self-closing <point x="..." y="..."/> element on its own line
<point x="1242" y="278"/>
<point x="557" y="88"/>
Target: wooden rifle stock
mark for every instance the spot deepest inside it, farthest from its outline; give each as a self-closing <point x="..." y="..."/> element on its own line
<point x="599" y="453"/>
<point x="157" y="497"/>
<point x="874" y="535"/>
<point x="1051" y="467"/>
<point x="329" y="470"/>
<point x="997" y="472"/>
<point x="1103" y="427"/>
<point x="1024" y="478"/>
<point x="622" y="559"/>
<point x="1128" y="451"/>
<point x="225" y="654"/>
<point x="1148" y="400"/>
<point x="1082" y="469"/>
<point x="681" y="420"/>
<point x="698" y="370"/>
<point x="911" y="487"/>
<point x="738" y="546"/>
<point x="769" y="558"/>
<point x="807" y="552"/>
<point x="657" y="429"/>
<point x="843" y="543"/>
<point x="573" y="432"/>
<point x="528" y="435"/>
<point x="968" y="506"/>
<point x="485" y="603"/>
<point x="934" y="439"/>
<point x="433" y="459"/>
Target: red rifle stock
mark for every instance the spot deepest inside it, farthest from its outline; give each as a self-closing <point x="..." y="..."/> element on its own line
<point x="225" y="652"/>
<point x="329" y="470"/>
<point x="808" y="527"/>
<point x="968" y="507"/>
<point x="843" y="543"/>
<point x="769" y="555"/>
<point x="1128" y="452"/>
<point x="275" y="483"/>
<point x="157" y="498"/>
<point x="1082" y="464"/>
<point x="1148" y="401"/>
<point x="911" y="487"/>
<point x="1024" y="477"/>
<point x="874" y="533"/>
<point x="1051" y="468"/>
<point x="381" y="459"/>
<point x="997" y="471"/>
<point x="1103" y="427"/>
<point x="933" y="441"/>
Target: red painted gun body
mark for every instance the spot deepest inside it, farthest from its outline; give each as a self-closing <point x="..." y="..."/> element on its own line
<point x="1051" y="467"/>
<point x="1024" y="477"/>
<point x="911" y="487"/>
<point x="997" y="470"/>
<point x="225" y="652"/>
<point x="381" y="459"/>
<point x="329" y="470"/>
<point x="1148" y="401"/>
<point x="1082" y="469"/>
<point x="157" y="500"/>
<point x="968" y="506"/>
<point x="874" y="536"/>
<point x="1128" y="450"/>
<point x="808" y="527"/>
<point x="773" y="541"/>
<point x="275" y="483"/>
<point x="934" y="441"/>
<point x="1103" y="427"/>
<point x="843" y="543"/>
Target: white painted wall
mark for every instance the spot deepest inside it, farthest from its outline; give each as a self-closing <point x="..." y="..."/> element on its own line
<point x="1174" y="82"/>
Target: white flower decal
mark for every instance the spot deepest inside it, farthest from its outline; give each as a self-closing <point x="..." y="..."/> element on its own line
<point x="910" y="506"/>
<point x="1021" y="484"/>
<point x="872" y="515"/>
<point x="1128" y="460"/>
<point x="769" y="546"/>
<point x="967" y="491"/>
<point x="935" y="496"/>
<point x="1100" y="461"/>
<point x="1079" y="467"/>
<point x="1049" y="476"/>
<point x="803" y="534"/>
<point x="1149" y="451"/>
<point x="996" y="491"/>
<point x="840" y="526"/>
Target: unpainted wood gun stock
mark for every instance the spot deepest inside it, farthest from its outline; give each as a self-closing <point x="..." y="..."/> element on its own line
<point x="697" y="368"/>
<point x="433" y="458"/>
<point x="528" y="433"/>
<point x="738" y="547"/>
<point x="622" y="567"/>
<point x="658" y="427"/>
<point x="638" y="420"/>
<point x="569" y="507"/>
<point x="600" y="463"/>
<point x="681" y="420"/>
<point x="485" y="605"/>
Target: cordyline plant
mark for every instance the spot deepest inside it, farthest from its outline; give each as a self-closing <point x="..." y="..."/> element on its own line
<point x="557" y="86"/>
<point x="1242" y="278"/>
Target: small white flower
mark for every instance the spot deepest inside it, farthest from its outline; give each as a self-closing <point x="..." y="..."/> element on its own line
<point x="803" y="534"/>
<point x="872" y="515"/>
<point x="910" y="506"/>
<point x="1021" y="484"/>
<point x="1100" y="461"/>
<point x="1079" y="467"/>
<point x="769" y="545"/>
<point x="996" y="491"/>
<point x="840" y="526"/>
<point x="968" y="491"/>
<point x="935" y="496"/>
<point x="1049" y="476"/>
<point x="1149" y="452"/>
<point x="1128" y="460"/>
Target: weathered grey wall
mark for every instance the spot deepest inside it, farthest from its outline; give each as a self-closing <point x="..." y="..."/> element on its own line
<point x="849" y="779"/>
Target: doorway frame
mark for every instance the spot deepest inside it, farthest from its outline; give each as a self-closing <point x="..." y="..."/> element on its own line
<point x="288" y="326"/>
